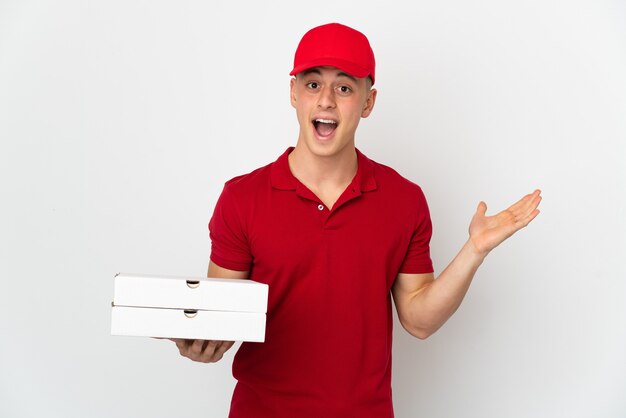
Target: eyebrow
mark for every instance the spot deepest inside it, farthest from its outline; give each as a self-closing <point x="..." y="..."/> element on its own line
<point x="339" y="74"/>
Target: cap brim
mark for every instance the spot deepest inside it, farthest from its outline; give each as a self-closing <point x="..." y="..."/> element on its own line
<point x="343" y="65"/>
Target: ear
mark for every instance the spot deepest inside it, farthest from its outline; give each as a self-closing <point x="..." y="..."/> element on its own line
<point x="292" y="91"/>
<point x="369" y="103"/>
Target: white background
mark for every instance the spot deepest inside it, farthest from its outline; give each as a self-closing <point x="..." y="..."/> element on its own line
<point x="121" y="120"/>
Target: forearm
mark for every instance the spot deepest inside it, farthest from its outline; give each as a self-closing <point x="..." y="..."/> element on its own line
<point x="424" y="304"/>
<point x="433" y="305"/>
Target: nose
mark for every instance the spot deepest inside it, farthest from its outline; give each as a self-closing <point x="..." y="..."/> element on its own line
<point x="326" y="98"/>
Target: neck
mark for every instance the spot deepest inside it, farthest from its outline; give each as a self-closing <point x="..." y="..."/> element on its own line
<point x="322" y="172"/>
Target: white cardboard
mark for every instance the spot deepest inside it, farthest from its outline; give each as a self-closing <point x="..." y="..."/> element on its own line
<point x="189" y="307"/>
<point x="176" y="323"/>
<point x="233" y="295"/>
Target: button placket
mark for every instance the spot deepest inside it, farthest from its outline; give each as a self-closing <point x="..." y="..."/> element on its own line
<point x="324" y="213"/>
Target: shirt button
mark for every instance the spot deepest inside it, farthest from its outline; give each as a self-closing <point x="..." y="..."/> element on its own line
<point x="320" y="207"/>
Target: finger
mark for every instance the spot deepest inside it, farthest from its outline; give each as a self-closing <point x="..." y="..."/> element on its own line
<point x="521" y="204"/>
<point x="530" y="206"/>
<point x="535" y="202"/>
<point x="533" y="215"/>
<point x="182" y="345"/>
<point x="221" y="349"/>
<point x="535" y="198"/>
<point x="529" y="211"/>
<point x="196" y="348"/>
<point x="530" y="217"/>
<point x="526" y="204"/>
<point x="209" y="350"/>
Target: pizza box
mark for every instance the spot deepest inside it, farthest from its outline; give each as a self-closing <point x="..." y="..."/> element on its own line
<point x="188" y="307"/>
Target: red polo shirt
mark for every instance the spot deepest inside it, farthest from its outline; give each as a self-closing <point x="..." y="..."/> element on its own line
<point x="327" y="351"/>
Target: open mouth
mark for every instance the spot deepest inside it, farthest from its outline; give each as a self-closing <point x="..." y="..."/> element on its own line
<point x="324" y="127"/>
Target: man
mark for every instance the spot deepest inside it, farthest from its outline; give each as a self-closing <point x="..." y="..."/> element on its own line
<point x="334" y="234"/>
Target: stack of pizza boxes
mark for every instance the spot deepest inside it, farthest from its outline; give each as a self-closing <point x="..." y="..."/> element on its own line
<point x="193" y="308"/>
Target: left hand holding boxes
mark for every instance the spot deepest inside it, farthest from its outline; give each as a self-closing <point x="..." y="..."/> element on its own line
<point x="189" y="308"/>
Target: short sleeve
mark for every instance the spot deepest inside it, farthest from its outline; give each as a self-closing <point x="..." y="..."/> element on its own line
<point x="417" y="259"/>
<point x="229" y="243"/>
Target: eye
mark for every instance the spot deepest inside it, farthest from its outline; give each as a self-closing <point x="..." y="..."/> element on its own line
<point x="312" y="85"/>
<point x="344" y="90"/>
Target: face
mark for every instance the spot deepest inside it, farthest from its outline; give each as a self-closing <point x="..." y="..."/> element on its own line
<point x="329" y="104"/>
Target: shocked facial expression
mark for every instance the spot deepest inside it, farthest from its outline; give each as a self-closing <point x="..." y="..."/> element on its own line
<point x="329" y="104"/>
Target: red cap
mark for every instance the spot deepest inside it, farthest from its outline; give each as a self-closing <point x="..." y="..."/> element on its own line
<point x="337" y="46"/>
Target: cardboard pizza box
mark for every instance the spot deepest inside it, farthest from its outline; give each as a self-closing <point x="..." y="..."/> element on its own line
<point x="188" y="307"/>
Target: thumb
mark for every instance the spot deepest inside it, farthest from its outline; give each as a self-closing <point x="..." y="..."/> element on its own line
<point x="482" y="208"/>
